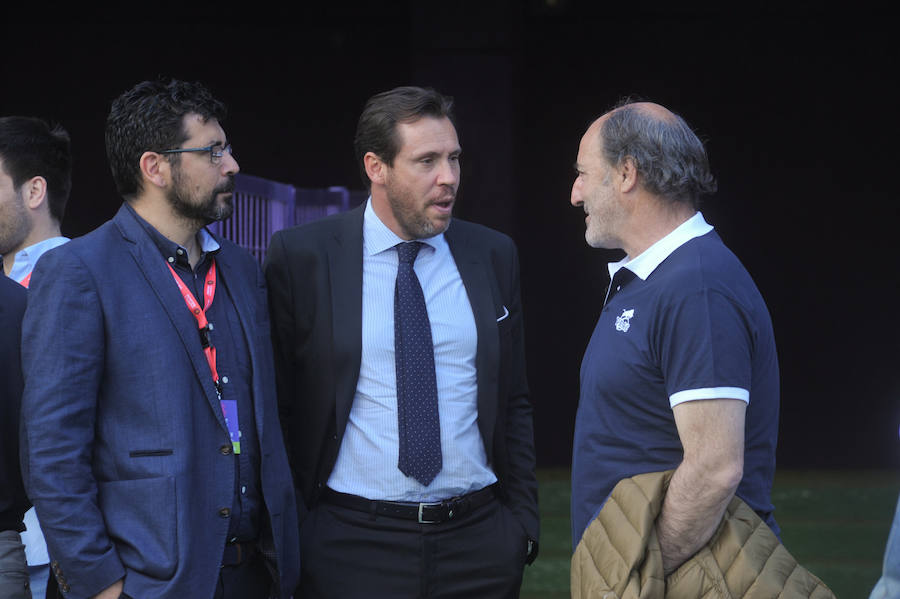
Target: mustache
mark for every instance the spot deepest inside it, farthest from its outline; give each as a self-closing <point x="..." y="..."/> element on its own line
<point x="227" y="187"/>
<point x="449" y="195"/>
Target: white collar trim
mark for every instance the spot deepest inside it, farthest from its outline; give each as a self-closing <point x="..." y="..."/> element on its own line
<point x="645" y="263"/>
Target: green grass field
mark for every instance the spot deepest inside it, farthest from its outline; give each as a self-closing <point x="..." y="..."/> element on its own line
<point x="834" y="522"/>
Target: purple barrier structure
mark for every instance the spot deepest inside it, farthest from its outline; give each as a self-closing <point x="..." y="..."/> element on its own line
<point x="262" y="206"/>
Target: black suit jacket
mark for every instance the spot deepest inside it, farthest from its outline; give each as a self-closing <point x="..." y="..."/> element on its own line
<point x="314" y="273"/>
<point x="13" y="502"/>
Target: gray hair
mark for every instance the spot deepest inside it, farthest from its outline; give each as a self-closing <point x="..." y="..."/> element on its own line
<point x="670" y="159"/>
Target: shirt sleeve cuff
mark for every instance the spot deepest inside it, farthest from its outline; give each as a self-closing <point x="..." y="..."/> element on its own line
<point x="709" y="393"/>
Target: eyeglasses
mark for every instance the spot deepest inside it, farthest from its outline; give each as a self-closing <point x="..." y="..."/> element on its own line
<point x="216" y="151"/>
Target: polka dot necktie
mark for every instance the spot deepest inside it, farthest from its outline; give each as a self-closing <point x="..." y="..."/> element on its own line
<point x="417" y="405"/>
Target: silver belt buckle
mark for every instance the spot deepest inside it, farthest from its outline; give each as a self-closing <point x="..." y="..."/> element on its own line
<point x="424" y="505"/>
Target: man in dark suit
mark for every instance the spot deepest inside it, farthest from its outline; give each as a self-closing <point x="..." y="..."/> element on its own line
<point x="401" y="377"/>
<point x="152" y="449"/>
<point x="35" y="180"/>
<point x="13" y="503"/>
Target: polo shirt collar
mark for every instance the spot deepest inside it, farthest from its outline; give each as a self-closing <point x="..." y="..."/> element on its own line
<point x="644" y="264"/>
<point x="377" y="237"/>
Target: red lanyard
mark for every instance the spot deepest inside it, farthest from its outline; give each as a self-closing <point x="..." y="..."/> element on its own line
<point x="24" y="282"/>
<point x="209" y="292"/>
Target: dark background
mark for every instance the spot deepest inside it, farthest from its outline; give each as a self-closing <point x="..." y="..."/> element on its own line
<point x="797" y="105"/>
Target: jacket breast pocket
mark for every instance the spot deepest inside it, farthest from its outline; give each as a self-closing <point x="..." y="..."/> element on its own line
<point x="140" y="519"/>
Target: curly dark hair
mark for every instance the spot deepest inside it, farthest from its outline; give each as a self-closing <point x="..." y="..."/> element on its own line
<point x="150" y="117"/>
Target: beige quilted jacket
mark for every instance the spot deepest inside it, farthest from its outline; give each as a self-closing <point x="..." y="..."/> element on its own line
<point x="619" y="558"/>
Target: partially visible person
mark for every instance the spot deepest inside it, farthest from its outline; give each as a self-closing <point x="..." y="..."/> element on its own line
<point x="13" y="502"/>
<point x="35" y="180"/>
<point x="888" y="586"/>
<point x="151" y="448"/>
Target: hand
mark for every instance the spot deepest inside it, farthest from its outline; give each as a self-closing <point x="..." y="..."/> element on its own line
<point x="113" y="591"/>
<point x="531" y="552"/>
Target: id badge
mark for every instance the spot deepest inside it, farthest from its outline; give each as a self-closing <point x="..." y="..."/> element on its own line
<point x="230" y="411"/>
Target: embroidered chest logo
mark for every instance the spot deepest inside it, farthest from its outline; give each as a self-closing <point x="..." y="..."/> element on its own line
<point x="623" y="322"/>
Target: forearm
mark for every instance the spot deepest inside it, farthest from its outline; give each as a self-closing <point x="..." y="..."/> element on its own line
<point x="695" y="502"/>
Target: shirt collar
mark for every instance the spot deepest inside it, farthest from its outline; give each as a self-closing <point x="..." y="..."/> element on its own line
<point x="26" y="258"/>
<point x="645" y="263"/>
<point x="171" y="251"/>
<point x="377" y="237"/>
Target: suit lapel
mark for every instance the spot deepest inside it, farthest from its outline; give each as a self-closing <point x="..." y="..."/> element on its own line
<point x="243" y="301"/>
<point x="484" y="299"/>
<point x="345" y="263"/>
<point x="153" y="267"/>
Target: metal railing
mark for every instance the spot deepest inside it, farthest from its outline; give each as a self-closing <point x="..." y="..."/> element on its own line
<point x="262" y="206"/>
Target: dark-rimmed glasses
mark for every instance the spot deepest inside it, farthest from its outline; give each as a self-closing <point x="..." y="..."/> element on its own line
<point x="216" y="151"/>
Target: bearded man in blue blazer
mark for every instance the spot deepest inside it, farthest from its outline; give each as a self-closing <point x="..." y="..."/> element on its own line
<point x="401" y="377"/>
<point x="152" y="450"/>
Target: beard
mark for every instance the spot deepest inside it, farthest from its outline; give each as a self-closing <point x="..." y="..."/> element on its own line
<point x="204" y="210"/>
<point x="414" y="220"/>
<point x="15" y="225"/>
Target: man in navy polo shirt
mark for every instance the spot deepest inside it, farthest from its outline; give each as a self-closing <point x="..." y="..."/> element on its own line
<point x="681" y="370"/>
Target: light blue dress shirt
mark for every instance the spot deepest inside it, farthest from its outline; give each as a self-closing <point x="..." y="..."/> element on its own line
<point x="26" y="258"/>
<point x="367" y="461"/>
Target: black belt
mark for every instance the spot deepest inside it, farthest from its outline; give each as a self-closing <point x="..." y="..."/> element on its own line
<point x="237" y="553"/>
<point x="425" y="513"/>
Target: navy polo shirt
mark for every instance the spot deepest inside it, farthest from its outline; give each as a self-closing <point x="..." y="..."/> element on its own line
<point x="683" y="321"/>
<point x="233" y="366"/>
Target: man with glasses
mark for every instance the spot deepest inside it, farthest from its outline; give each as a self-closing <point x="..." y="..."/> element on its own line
<point x="151" y="447"/>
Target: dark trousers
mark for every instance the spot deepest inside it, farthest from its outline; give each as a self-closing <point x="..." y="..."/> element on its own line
<point x="249" y="580"/>
<point x="348" y="553"/>
<point x="13" y="570"/>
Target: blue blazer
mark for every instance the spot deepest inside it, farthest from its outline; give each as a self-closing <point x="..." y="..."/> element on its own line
<point x="123" y="432"/>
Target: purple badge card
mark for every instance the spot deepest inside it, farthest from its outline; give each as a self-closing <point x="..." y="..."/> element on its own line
<point x="230" y="411"/>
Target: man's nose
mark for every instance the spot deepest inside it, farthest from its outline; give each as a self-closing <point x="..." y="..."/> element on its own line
<point x="449" y="173"/>
<point x="575" y="198"/>
<point x="230" y="165"/>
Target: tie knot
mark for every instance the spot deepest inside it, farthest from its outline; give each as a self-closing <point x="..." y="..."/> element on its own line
<point x="407" y="251"/>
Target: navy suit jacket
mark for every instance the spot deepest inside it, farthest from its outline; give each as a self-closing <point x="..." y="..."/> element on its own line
<point x="124" y="451"/>
<point x="314" y="274"/>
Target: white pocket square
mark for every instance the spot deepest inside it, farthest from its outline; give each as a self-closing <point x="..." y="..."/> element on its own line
<point x="505" y="314"/>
